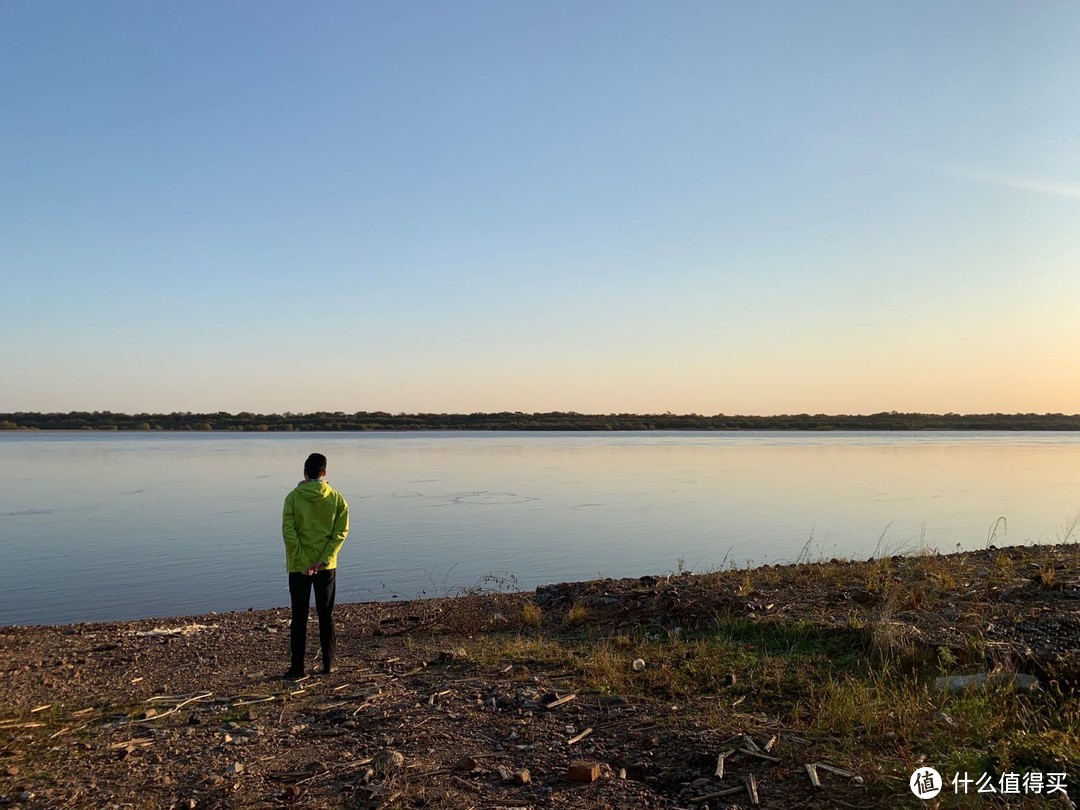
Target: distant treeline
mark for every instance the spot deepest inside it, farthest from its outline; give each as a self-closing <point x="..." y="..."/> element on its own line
<point x="557" y="420"/>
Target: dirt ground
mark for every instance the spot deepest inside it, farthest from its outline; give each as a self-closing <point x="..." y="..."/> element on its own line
<point x="191" y="712"/>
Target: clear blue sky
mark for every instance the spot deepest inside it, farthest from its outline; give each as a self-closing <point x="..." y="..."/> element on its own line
<point x="594" y="206"/>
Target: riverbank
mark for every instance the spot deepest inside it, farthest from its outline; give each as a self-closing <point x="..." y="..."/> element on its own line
<point x="821" y="672"/>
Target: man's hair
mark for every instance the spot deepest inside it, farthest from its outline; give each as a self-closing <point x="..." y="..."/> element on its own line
<point x="315" y="466"/>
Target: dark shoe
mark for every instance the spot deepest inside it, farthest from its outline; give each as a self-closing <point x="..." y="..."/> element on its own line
<point x="293" y="675"/>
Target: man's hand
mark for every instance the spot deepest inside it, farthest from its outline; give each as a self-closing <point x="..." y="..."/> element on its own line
<point x="315" y="568"/>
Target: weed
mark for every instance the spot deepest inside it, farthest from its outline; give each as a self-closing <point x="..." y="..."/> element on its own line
<point x="1069" y="529"/>
<point x="991" y="534"/>
<point x="576" y="615"/>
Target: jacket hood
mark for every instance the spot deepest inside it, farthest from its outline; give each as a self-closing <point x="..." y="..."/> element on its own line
<point x="314" y="490"/>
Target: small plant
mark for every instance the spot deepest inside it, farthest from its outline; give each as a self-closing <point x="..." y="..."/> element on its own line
<point x="576" y="615"/>
<point x="1047" y="576"/>
<point x="1068" y="531"/>
<point x="746" y="587"/>
<point x="531" y="616"/>
<point x="991" y="535"/>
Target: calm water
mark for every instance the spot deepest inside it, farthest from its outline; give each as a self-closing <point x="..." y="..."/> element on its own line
<point x="97" y="526"/>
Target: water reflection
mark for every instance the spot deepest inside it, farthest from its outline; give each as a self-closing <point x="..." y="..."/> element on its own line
<point x="152" y="524"/>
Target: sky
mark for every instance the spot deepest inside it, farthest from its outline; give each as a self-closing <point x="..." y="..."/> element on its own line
<point x="695" y="207"/>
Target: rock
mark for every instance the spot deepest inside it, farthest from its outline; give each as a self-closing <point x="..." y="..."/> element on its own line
<point x="387" y="761"/>
<point x="582" y="771"/>
<point x="864" y="597"/>
<point x="956" y="683"/>
<point x="945" y="719"/>
<point x="467" y="763"/>
<point x="235" y="769"/>
<point x="638" y="665"/>
<point x="613" y="700"/>
<point x="522" y="777"/>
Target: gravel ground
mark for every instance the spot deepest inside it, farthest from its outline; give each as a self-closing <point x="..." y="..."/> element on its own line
<point x="191" y="712"/>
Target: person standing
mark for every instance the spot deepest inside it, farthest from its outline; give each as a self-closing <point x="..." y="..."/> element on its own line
<point x="314" y="525"/>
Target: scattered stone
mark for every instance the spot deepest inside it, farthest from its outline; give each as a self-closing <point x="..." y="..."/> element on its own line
<point x="521" y="777"/>
<point x="639" y="664"/>
<point x="957" y="683"/>
<point x="235" y="769"/>
<point x="467" y="763"/>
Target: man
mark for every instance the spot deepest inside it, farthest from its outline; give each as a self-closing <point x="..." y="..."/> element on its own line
<point x="314" y="525"/>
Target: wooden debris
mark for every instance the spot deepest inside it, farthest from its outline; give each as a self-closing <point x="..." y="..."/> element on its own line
<point x="581" y="771"/>
<point x="771" y="744"/>
<point x="758" y="754"/>
<point x="720" y="762"/>
<point x="259" y="700"/>
<point x="751" y="788"/>
<point x="837" y="771"/>
<point x="719" y="794"/>
<point x="811" y="771"/>
<point x="137" y="741"/>
<point x="580" y="736"/>
<point x="563" y="700"/>
<point x="41" y="708"/>
<point x="753" y="746"/>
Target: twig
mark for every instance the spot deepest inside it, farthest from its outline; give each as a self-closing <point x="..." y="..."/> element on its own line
<point x="759" y="755"/>
<point x="717" y="794"/>
<point x="751" y="788"/>
<point x="720" y="762"/>
<point x="260" y="700"/>
<point x="580" y="736"/>
<point x="837" y="771"/>
<point x="811" y="771"/>
<point x="561" y="701"/>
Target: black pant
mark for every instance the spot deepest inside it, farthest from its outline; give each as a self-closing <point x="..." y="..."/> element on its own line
<point x="300" y="591"/>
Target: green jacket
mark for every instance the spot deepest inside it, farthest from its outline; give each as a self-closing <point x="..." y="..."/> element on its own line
<point x="314" y="525"/>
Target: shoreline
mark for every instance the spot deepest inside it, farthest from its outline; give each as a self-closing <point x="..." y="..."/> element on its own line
<point x="823" y="660"/>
